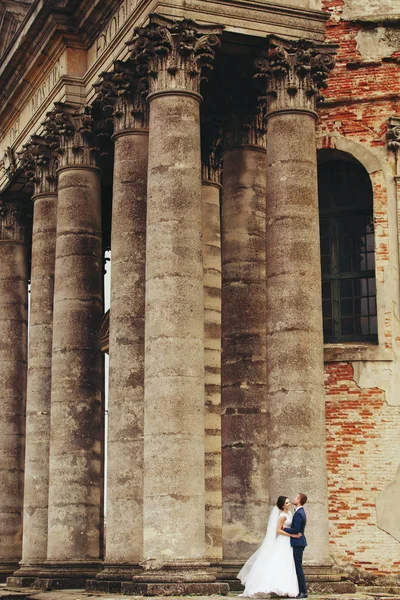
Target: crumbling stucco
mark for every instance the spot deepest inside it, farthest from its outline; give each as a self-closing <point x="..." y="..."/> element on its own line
<point x="379" y="42"/>
<point x="353" y="9"/>
<point x="387" y="508"/>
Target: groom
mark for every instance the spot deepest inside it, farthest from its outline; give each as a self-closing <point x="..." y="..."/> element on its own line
<point x="298" y="544"/>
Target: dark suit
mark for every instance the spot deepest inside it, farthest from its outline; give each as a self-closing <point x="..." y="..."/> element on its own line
<point x="298" y="545"/>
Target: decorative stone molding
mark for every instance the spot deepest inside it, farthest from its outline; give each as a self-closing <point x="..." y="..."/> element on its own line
<point x="39" y="162"/>
<point x="292" y="74"/>
<point x="175" y="54"/>
<point x="12" y="222"/>
<point x="70" y="131"/>
<point x="211" y="148"/>
<point x="122" y="94"/>
<point x="10" y="162"/>
<point x="393" y="133"/>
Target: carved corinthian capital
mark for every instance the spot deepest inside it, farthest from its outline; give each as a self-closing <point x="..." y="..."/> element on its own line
<point x="39" y="162"/>
<point x="122" y="96"/>
<point x="293" y="73"/>
<point x="12" y="221"/>
<point x="211" y="148"/>
<point x="176" y="54"/>
<point x="70" y="132"/>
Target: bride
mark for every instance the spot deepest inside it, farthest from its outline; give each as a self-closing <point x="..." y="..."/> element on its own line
<point x="271" y="570"/>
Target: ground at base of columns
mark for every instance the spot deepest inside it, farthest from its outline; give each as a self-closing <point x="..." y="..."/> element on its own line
<point x="76" y="594"/>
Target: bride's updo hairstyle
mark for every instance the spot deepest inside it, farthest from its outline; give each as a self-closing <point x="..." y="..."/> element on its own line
<point x="281" y="502"/>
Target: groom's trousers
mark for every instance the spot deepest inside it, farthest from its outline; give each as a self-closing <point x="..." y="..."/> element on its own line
<point x="298" y="562"/>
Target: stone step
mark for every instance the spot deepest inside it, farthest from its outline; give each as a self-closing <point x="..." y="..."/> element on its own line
<point x="323" y="577"/>
<point x="373" y="590"/>
<point x="330" y="587"/>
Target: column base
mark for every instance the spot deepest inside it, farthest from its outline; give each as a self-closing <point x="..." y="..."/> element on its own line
<point x="115" y="572"/>
<point x="227" y="573"/>
<point x="7" y="570"/>
<point x="66" y="575"/>
<point x="25" y="576"/>
<point x="173" y="579"/>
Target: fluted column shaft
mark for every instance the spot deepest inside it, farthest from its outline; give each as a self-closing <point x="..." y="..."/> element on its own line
<point x="13" y="358"/>
<point x="296" y="402"/>
<point x="244" y="424"/>
<point x="210" y="193"/>
<point x="76" y="389"/>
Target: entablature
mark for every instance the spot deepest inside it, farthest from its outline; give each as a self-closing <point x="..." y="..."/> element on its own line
<point x="64" y="45"/>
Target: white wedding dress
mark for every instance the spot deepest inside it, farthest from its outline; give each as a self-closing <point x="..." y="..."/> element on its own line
<point x="271" y="570"/>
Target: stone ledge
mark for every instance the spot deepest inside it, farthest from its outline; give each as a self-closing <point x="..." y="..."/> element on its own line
<point x="174" y="589"/>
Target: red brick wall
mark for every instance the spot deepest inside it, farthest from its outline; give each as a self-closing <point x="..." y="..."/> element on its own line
<point x="363" y="431"/>
<point x="363" y="455"/>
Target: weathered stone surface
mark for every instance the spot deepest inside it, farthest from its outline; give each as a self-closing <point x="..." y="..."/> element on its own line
<point x="76" y="392"/>
<point x="210" y="192"/>
<point x="126" y="383"/>
<point x="174" y="373"/>
<point x="13" y="358"/>
<point x="244" y="426"/>
<point x="34" y="548"/>
<point x="296" y="421"/>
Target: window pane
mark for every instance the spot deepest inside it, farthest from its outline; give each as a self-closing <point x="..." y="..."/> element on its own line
<point x="327" y="308"/>
<point x="347" y="326"/>
<point x="326" y="290"/>
<point x="326" y="264"/>
<point x="346" y="308"/>
<point x="373" y="328"/>
<point x="347" y="251"/>
<point x="327" y="328"/>
<point x="346" y="288"/>
<point x="372" y="287"/>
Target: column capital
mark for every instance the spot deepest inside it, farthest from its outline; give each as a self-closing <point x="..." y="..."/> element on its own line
<point x="247" y="129"/>
<point x="12" y="222"/>
<point x="122" y="94"/>
<point x="393" y="133"/>
<point x="39" y="162"/>
<point x="175" y="54"/>
<point x="69" y="130"/>
<point x="211" y="148"/>
<point x="293" y="73"/>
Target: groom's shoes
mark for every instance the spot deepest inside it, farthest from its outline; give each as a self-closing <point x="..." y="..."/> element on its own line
<point x="302" y="596"/>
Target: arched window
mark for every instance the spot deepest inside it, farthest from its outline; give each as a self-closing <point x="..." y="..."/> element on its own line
<point x="347" y="251"/>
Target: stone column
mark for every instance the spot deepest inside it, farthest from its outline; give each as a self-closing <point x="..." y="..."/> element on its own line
<point x="13" y="355"/>
<point x="174" y="495"/>
<point x="291" y="75"/>
<point x="74" y="519"/>
<point x="211" y="205"/>
<point x="40" y="163"/>
<point x="122" y="91"/>
<point x="244" y="405"/>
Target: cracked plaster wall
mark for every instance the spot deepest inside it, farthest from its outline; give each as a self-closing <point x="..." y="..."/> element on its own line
<point x="357" y="8"/>
<point x="379" y="42"/>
